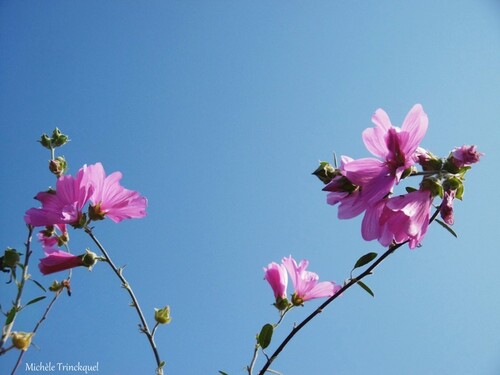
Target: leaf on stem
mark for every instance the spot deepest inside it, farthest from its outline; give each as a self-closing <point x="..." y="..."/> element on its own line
<point x="223" y="373"/>
<point x="39" y="285"/>
<point x="265" y="335"/>
<point x="365" y="259"/>
<point x="10" y="316"/>
<point x="366" y="288"/>
<point x="447" y="227"/>
<point x="35" y="300"/>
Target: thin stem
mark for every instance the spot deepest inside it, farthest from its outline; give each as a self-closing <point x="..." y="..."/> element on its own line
<point x="254" y="359"/>
<point x="44" y="316"/>
<point x="144" y="325"/>
<point x="20" y="287"/>
<point x="350" y="283"/>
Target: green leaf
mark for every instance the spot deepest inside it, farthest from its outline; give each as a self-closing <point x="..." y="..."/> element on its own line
<point x="10" y="316"/>
<point x="410" y="189"/>
<point x="223" y="373"/>
<point x="39" y="285"/>
<point x="447" y="227"/>
<point x="162" y="364"/>
<point x="366" y="288"/>
<point x="35" y="300"/>
<point x="365" y="259"/>
<point x="265" y="335"/>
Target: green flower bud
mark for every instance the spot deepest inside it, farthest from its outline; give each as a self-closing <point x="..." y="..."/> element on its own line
<point x="10" y="258"/>
<point x="45" y="141"/>
<point x="22" y="340"/>
<point x="58" y="166"/>
<point x="162" y="316"/>
<point x="89" y="259"/>
<point x="56" y="286"/>
<point x="325" y="172"/>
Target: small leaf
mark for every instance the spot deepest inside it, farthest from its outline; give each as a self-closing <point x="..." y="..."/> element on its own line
<point x="10" y="316"/>
<point x="35" y="300"/>
<point x="265" y="335"/>
<point x="366" y="288"/>
<point x="162" y="364"/>
<point x="447" y="227"/>
<point x="365" y="259"/>
<point x="223" y="373"/>
<point x="410" y="189"/>
<point x="39" y="285"/>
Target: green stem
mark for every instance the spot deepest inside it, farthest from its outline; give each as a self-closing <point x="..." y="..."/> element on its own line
<point x="20" y="287"/>
<point x="144" y="325"/>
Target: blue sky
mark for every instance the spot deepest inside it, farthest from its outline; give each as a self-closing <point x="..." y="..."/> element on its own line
<point x="218" y="112"/>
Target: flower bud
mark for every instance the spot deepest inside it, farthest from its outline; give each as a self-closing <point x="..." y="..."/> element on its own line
<point x="58" y="139"/>
<point x="56" y="286"/>
<point x="427" y="160"/>
<point x="10" y="258"/>
<point x="325" y="172"/>
<point x="89" y="259"/>
<point x="58" y="166"/>
<point x="296" y="300"/>
<point x="45" y="141"/>
<point x="162" y="316"/>
<point x="22" y="340"/>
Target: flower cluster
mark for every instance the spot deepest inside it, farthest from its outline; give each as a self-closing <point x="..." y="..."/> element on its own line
<point x="366" y="185"/>
<point x="305" y="283"/>
<point x="65" y="206"/>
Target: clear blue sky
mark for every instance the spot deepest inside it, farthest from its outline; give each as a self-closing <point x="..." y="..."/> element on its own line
<point x="218" y="112"/>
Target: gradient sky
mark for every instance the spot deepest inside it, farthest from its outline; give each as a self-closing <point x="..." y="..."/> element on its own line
<point x="218" y="112"/>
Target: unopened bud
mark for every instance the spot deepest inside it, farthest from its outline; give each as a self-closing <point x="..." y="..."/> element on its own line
<point x="58" y="139"/>
<point x="89" y="259"/>
<point x="162" y="316"/>
<point x="325" y="172"/>
<point x="56" y="286"/>
<point x="58" y="166"/>
<point x="22" y="340"/>
<point x="10" y="258"/>
<point x="45" y="141"/>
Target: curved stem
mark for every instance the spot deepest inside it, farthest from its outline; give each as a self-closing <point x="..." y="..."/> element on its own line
<point x="20" y="287"/>
<point x="144" y="325"/>
<point x="351" y="282"/>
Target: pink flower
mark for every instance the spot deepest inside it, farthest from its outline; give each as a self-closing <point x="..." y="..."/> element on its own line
<point x="395" y="146"/>
<point x="49" y="237"/>
<point x="306" y="283"/>
<point x="446" y="208"/>
<point x="57" y="260"/>
<point x="109" y="198"/>
<point x="276" y="276"/>
<point x="62" y="206"/>
<point x="343" y="191"/>
<point x="465" y="156"/>
<point x="398" y="219"/>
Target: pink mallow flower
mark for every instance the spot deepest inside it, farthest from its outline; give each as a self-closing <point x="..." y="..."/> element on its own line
<point x="57" y="260"/>
<point x="276" y="276"/>
<point x="395" y="146"/>
<point x="344" y="192"/>
<point x="398" y="219"/>
<point x="62" y="206"/>
<point x="109" y="198"/>
<point x="306" y="283"/>
<point x="446" y="208"/>
<point x="465" y="156"/>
